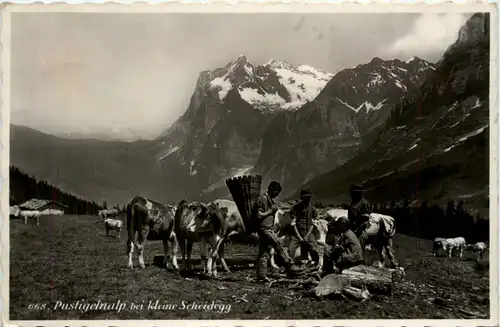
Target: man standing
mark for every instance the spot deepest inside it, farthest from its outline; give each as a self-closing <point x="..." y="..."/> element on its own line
<point x="359" y="213"/>
<point x="302" y="215"/>
<point x="263" y="216"/>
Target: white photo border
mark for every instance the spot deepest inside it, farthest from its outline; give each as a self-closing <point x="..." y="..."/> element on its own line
<point x="247" y="7"/>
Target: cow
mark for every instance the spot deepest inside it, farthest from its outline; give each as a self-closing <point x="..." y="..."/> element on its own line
<point x="437" y="244"/>
<point x="113" y="224"/>
<point x="234" y="225"/>
<point x="283" y="228"/>
<point x="25" y="214"/>
<point x="451" y="244"/>
<point x="380" y="231"/>
<point x="478" y="250"/>
<point x="14" y="211"/>
<point x="105" y="213"/>
<point x="153" y="221"/>
<point x="203" y="223"/>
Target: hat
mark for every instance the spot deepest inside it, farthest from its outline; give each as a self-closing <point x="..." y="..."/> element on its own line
<point x="305" y="193"/>
<point x="342" y="221"/>
<point x="274" y="185"/>
<point x="357" y="188"/>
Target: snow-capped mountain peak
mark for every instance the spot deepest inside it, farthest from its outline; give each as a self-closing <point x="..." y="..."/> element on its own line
<point x="278" y="64"/>
<point x="276" y="85"/>
<point x="410" y="60"/>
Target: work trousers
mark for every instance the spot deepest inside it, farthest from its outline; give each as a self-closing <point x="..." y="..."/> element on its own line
<point x="308" y="246"/>
<point x="268" y="240"/>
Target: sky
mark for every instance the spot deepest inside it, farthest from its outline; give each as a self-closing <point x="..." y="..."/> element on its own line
<point x="132" y="75"/>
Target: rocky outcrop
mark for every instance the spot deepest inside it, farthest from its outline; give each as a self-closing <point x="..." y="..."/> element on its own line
<point x="434" y="145"/>
<point x="328" y="131"/>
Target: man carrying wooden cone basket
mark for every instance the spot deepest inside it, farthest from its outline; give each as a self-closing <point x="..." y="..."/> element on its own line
<point x="263" y="217"/>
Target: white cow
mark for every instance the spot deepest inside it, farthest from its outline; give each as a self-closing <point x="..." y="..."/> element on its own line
<point x="108" y="213"/>
<point x="478" y="250"/>
<point x="25" y="214"/>
<point x="113" y="224"/>
<point x="283" y="228"/>
<point x="451" y="244"/>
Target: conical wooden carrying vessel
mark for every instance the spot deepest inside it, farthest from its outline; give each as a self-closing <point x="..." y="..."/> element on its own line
<point x="245" y="190"/>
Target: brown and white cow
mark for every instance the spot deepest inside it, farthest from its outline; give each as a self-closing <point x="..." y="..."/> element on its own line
<point x="283" y="228"/>
<point x="34" y="214"/>
<point x="203" y="223"/>
<point x="437" y="244"/>
<point x="478" y="250"/>
<point x="153" y="221"/>
<point x="105" y="213"/>
<point x="234" y="226"/>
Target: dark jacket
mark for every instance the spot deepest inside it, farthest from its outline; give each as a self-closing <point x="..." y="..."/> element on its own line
<point x="303" y="215"/>
<point x="357" y="210"/>
<point x="351" y="248"/>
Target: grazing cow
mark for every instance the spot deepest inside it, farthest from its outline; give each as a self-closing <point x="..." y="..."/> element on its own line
<point x="153" y="221"/>
<point x="204" y="223"/>
<point x="113" y="224"/>
<point x="451" y="244"/>
<point x="478" y="250"/>
<point x="25" y="214"/>
<point x="437" y="244"/>
<point x="283" y="228"/>
<point x="108" y="213"/>
<point x="380" y="234"/>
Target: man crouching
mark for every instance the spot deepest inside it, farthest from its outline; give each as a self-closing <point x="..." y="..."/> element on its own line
<point x="347" y="251"/>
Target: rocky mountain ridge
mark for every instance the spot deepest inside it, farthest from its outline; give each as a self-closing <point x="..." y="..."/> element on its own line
<point x="220" y="134"/>
<point x="435" y="143"/>
<point x="328" y="131"/>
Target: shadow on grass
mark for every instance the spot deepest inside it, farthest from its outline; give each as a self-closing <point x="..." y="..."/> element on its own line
<point x="234" y="264"/>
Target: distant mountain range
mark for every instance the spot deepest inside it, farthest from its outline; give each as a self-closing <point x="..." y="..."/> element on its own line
<point x="299" y="125"/>
<point x="285" y="123"/>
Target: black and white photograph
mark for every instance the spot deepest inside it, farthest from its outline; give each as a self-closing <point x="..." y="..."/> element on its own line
<point x="203" y="162"/>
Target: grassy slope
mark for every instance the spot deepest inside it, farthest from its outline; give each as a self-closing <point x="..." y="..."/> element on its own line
<point x="69" y="258"/>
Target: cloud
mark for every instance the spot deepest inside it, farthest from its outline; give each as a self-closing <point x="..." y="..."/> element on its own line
<point x="91" y="72"/>
<point x="430" y="36"/>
